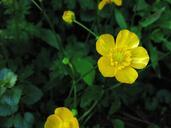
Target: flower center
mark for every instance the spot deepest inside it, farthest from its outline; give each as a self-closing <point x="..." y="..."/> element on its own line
<point x="120" y="58"/>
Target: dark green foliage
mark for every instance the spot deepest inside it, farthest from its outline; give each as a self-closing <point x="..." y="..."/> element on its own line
<point x="44" y="63"/>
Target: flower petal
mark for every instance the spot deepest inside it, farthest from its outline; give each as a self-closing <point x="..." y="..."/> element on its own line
<point x="140" y="58"/>
<point x="64" y="113"/>
<point x="117" y="2"/>
<point x="104" y="44"/>
<point x="53" y="121"/>
<point x="127" y="75"/>
<point x="105" y="68"/>
<point x="127" y="39"/>
<point x="102" y="4"/>
<point x="74" y="123"/>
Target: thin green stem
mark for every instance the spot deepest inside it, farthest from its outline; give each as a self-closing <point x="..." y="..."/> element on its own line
<point x="115" y="86"/>
<point x="75" y="94"/>
<point x="50" y="24"/>
<point x="88" y="111"/>
<point x="37" y="6"/>
<point x="83" y="26"/>
<point x="73" y="85"/>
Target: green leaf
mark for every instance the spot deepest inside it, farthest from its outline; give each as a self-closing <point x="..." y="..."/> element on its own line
<point x="141" y="5"/>
<point x="85" y="66"/>
<point x="6" y="110"/>
<point x="167" y="44"/>
<point x="7" y="78"/>
<point x="2" y="90"/>
<point x="120" y="19"/>
<point x="9" y="101"/>
<point x="48" y="36"/>
<point x="157" y="36"/>
<point x="115" y="105"/>
<point x="24" y="122"/>
<point x="166" y="25"/>
<point x="32" y="94"/>
<point x="11" y="97"/>
<point x="118" y="123"/>
<point x="152" y="18"/>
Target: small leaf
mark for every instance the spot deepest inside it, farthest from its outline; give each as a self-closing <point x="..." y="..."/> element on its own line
<point x="24" y="122"/>
<point x="166" y="25"/>
<point x="6" y="110"/>
<point x="167" y="44"/>
<point x="7" y="78"/>
<point x="157" y="36"/>
<point x="32" y="94"/>
<point x="11" y="97"/>
<point x="120" y="19"/>
<point x="152" y="18"/>
<point x="48" y="36"/>
<point x="141" y="5"/>
<point x="115" y="106"/>
<point x="84" y="66"/>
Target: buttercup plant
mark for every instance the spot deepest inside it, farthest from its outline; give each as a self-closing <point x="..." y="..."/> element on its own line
<point x="119" y="59"/>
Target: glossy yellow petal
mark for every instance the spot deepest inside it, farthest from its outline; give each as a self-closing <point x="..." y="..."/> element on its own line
<point x="104" y="43"/>
<point x="140" y="58"/>
<point x="127" y="39"/>
<point x="127" y="75"/>
<point x="64" y="113"/>
<point x="74" y="123"/>
<point x="102" y="4"/>
<point x="117" y="2"/>
<point x="53" y="121"/>
<point x="106" y="69"/>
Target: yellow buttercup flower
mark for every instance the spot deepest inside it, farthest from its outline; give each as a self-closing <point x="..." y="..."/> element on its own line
<point x="104" y="2"/>
<point x="119" y="59"/>
<point x="62" y="118"/>
<point x="68" y="16"/>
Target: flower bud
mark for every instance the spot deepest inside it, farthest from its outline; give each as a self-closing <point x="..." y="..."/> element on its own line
<point x="68" y="16"/>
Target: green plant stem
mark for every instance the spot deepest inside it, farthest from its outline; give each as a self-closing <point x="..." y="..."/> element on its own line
<point x="75" y="94"/>
<point x="115" y="86"/>
<point x="83" y="26"/>
<point x="73" y="85"/>
<point x="88" y="111"/>
<point x="50" y="24"/>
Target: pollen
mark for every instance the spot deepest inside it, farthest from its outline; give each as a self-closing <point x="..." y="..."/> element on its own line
<point x="120" y="58"/>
